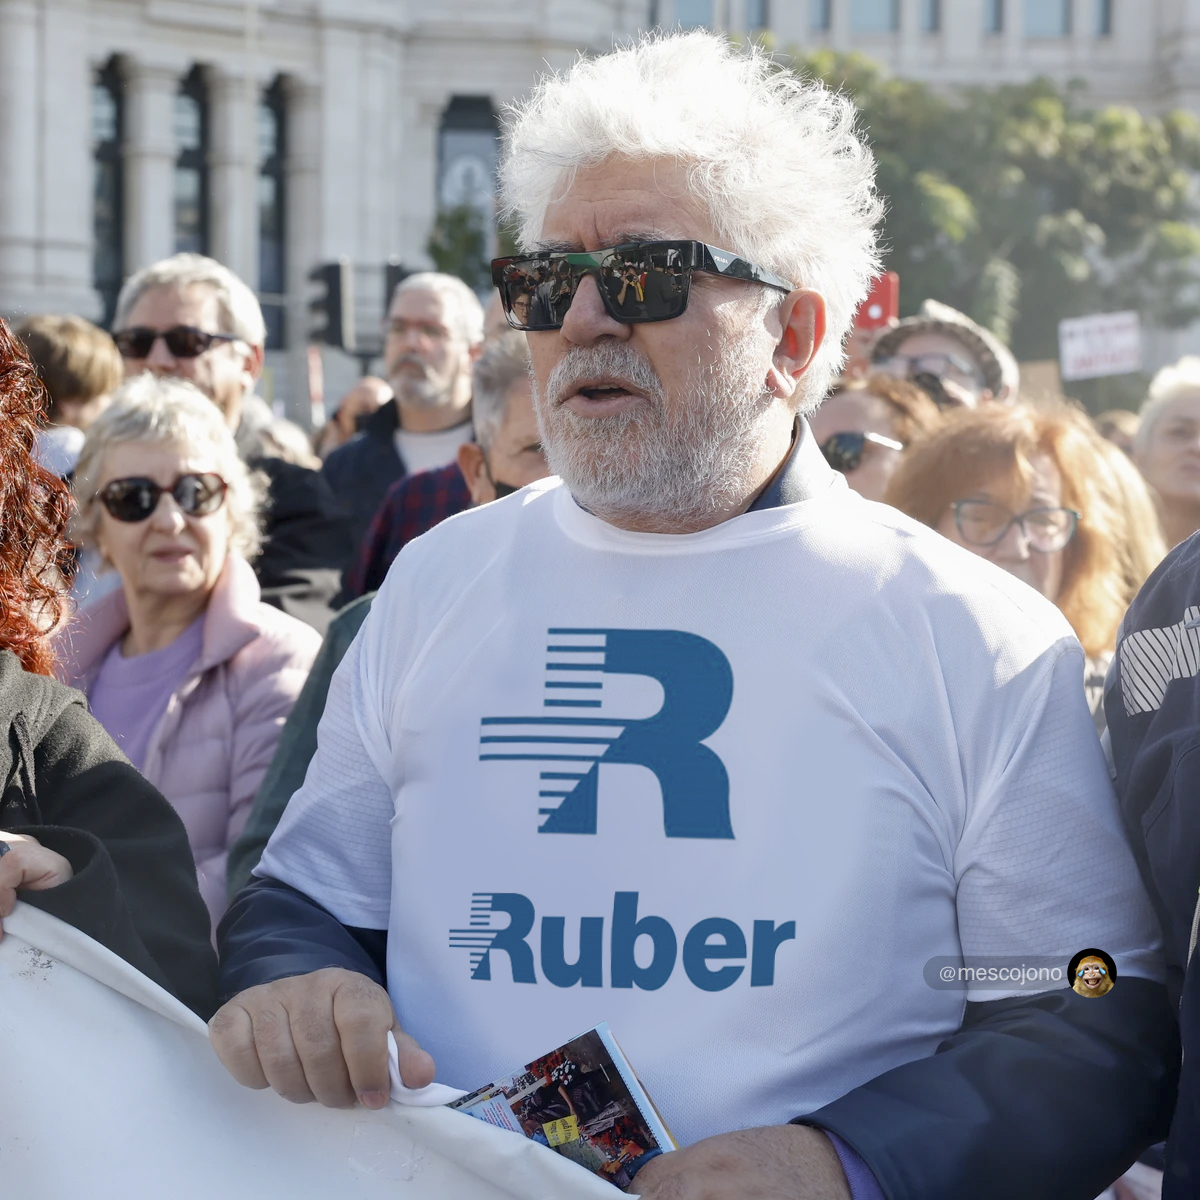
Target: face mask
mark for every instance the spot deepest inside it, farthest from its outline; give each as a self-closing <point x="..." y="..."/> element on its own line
<point x="503" y="489"/>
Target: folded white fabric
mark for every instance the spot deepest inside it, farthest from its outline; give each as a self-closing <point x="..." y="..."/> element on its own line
<point x="110" y="1089"/>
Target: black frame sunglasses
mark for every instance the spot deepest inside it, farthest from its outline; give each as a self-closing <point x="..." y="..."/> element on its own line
<point x="844" y="450"/>
<point x="639" y="282"/>
<point x="198" y="494"/>
<point x="183" y="341"/>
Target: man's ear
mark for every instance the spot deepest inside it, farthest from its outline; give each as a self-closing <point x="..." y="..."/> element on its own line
<point x="253" y="361"/>
<point x="474" y="470"/>
<point x="803" y="319"/>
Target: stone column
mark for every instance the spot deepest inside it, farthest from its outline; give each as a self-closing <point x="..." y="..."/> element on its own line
<point x="65" y="255"/>
<point x="302" y="225"/>
<point x="19" y="153"/>
<point x="233" y="171"/>
<point x="910" y="33"/>
<point x="149" y="163"/>
<point x="839" y="25"/>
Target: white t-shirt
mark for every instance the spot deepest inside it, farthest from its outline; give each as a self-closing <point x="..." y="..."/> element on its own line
<point x="428" y="451"/>
<point x="796" y="756"/>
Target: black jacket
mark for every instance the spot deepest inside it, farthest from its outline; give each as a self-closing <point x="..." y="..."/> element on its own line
<point x="1152" y="702"/>
<point x="361" y="471"/>
<point x="309" y="541"/>
<point x="134" y="889"/>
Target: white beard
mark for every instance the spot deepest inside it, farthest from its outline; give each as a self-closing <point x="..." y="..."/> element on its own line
<point x="660" y="463"/>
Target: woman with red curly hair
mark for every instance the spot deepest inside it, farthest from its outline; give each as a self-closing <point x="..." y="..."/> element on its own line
<point x="82" y="835"/>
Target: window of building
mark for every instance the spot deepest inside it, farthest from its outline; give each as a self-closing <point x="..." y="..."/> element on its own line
<point x="758" y="15"/>
<point x="1104" y="18"/>
<point x="108" y="186"/>
<point x="272" y="213"/>
<point x="191" y="164"/>
<point x="691" y="14"/>
<point x="993" y="16"/>
<point x="1047" y="18"/>
<point x="820" y="15"/>
<point x="467" y="160"/>
<point x="930" y="16"/>
<point x="874" y="16"/>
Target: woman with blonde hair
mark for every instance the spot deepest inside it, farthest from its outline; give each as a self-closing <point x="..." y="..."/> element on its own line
<point x="1041" y="494"/>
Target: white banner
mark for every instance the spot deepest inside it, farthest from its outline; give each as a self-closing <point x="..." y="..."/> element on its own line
<point x="110" y="1090"/>
<point x="1102" y="344"/>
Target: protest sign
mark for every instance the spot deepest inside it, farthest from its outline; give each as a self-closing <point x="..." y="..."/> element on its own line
<point x="110" y="1089"/>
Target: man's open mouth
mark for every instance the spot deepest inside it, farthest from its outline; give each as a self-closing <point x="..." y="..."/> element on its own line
<point x="600" y="390"/>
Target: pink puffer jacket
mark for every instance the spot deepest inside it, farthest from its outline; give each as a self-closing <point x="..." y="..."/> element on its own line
<point x="213" y="745"/>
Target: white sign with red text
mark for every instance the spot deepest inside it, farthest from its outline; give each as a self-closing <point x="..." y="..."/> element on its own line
<point x="1100" y="344"/>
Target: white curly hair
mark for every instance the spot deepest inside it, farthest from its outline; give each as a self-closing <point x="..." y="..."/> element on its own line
<point x="778" y="161"/>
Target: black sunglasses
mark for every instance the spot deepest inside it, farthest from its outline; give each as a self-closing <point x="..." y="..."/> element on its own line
<point x="639" y="282"/>
<point x="136" y="498"/>
<point x="183" y="341"/>
<point x="844" y="451"/>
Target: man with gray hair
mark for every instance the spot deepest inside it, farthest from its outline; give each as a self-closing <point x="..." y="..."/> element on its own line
<point x="190" y="317"/>
<point x="801" y="755"/>
<point x="434" y="334"/>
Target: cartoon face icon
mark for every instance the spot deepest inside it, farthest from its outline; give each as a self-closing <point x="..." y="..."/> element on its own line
<point x="1092" y="977"/>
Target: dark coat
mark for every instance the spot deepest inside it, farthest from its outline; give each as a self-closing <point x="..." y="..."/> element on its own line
<point x="134" y="890"/>
<point x="361" y="471"/>
<point x="1152" y="701"/>
<point x="309" y="540"/>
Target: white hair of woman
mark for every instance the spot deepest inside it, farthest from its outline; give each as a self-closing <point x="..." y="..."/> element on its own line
<point x="787" y="179"/>
<point x="165" y="409"/>
<point x="1178" y="379"/>
<point x="237" y="304"/>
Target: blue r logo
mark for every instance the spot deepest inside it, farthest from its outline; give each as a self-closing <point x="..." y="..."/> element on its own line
<point x="697" y="684"/>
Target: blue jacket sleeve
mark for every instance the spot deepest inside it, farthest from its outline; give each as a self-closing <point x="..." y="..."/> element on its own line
<point x="272" y="931"/>
<point x="1047" y="1095"/>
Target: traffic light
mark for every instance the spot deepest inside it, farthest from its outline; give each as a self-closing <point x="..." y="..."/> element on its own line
<point x="335" y="304"/>
<point x="394" y="273"/>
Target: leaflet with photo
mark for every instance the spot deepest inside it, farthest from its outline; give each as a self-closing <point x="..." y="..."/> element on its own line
<point x="583" y="1101"/>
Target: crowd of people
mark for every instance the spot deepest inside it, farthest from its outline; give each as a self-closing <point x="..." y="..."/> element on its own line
<point x="923" y="651"/>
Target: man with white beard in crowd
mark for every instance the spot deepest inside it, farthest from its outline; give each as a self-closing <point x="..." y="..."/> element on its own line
<point x="694" y="740"/>
<point x="434" y="335"/>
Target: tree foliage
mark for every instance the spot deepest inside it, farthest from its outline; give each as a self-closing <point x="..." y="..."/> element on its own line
<point x="1021" y="205"/>
<point x="457" y="244"/>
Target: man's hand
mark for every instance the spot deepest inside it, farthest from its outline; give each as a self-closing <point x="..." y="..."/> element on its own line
<point x="320" y="1037"/>
<point x="26" y="863"/>
<point x="779" y="1162"/>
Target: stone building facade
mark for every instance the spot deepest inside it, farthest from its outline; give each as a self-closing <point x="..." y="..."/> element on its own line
<point x="277" y="134"/>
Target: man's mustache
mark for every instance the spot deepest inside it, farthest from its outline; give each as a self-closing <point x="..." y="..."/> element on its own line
<point x="410" y="360"/>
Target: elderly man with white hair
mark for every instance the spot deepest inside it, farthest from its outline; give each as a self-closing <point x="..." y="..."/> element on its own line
<point x="192" y="318"/>
<point x="696" y="741"/>
<point x="434" y="334"/>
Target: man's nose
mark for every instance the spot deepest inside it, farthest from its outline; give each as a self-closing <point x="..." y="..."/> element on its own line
<point x="160" y="360"/>
<point x="587" y="320"/>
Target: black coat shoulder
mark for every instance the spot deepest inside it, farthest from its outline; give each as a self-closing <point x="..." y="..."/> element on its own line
<point x="134" y="890"/>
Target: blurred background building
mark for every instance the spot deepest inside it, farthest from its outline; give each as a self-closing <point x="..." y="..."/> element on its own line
<point x="278" y="134"/>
